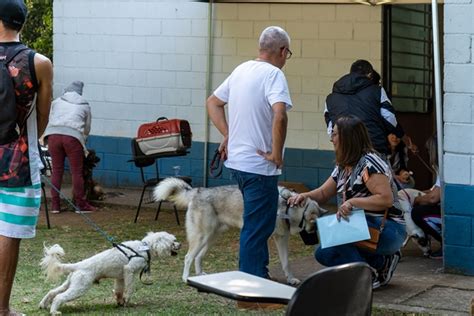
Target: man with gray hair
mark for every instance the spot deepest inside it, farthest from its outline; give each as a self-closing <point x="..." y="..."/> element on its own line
<point x="258" y="98"/>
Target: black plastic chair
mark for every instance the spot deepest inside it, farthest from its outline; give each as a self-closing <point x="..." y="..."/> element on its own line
<point x="45" y="159"/>
<point x="341" y="290"/>
<point x="141" y="161"/>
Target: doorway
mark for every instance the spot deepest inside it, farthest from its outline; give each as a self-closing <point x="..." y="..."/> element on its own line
<point x="408" y="77"/>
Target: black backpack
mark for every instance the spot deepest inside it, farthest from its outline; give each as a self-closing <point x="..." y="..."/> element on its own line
<point x="8" y="109"/>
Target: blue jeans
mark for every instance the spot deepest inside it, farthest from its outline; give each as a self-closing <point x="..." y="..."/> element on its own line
<point x="390" y="241"/>
<point x="260" y="195"/>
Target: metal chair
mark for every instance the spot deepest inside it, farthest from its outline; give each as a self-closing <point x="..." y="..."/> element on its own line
<point x="142" y="162"/>
<point x="45" y="159"/>
<point x="340" y="290"/>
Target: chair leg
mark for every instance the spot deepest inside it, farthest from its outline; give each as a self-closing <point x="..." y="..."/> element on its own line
<point x="176" y="214"/>
<point x="45" y="206"/>
<point x="158" y="211"/>
<point x="140" y="204"/>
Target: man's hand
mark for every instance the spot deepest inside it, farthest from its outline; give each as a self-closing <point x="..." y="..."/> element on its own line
<point x="223" y="148"/>
<point x="410" y="144"/>
<point x="403" y="176"/>
<point x="275" y="158"/>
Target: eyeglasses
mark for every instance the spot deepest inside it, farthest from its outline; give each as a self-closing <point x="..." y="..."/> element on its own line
<point x="288" y="52"/>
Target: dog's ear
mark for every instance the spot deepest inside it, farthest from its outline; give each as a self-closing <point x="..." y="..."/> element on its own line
<point x="285" y="192"/>
<point x="317" y="210"/>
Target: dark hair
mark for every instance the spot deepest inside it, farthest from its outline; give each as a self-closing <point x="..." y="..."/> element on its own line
<point x="363" y="67"/>
<point x="11" y="26"/>
<point x="354" y="141"/>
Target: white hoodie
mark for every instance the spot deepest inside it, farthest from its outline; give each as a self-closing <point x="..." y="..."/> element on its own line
<point x="70" y="115"/>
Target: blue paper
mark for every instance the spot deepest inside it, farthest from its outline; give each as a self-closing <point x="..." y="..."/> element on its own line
<point x="333" y="232"/>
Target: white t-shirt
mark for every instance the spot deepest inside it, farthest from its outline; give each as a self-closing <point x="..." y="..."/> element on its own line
<point x="250" y="91"/>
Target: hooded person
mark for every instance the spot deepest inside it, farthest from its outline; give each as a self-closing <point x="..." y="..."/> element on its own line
<point x="66" y="135"/>
<point x="360" y="94"/>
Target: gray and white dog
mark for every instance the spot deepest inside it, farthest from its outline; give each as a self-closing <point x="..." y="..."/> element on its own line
<point x="211" y="211"/>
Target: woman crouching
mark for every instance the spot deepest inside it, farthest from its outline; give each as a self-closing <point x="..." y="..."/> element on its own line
<point x="360" y="180"/>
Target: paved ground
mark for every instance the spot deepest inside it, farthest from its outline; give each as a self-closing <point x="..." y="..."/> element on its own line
<point x="419" y="284"/>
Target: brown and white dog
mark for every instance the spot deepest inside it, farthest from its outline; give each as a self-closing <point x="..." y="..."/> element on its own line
<point x="406" y="198"/>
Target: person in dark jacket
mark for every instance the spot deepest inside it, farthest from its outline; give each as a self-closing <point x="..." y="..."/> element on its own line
<point x="360" y="94"/>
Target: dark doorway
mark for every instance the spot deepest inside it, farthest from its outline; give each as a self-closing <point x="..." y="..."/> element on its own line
<point x="409" y="80"/>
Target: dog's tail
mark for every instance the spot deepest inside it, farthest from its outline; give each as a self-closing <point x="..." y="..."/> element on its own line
<point x="173" y="190"/>
<point x="51" y="262"/>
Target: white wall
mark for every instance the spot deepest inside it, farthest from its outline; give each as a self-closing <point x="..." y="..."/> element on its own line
<point x="459" y="91"/>
<point x="139" y="60"/>
<point x="325" y="40"/>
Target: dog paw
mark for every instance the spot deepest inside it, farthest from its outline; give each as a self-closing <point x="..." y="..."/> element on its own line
<point x="293" y="281"/>
<point x="120" y="300"/>
<point x="43" y="305"/>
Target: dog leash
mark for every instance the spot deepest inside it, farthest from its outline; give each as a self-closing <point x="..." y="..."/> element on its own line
<point x="425" y="163"/>
<point x="78" y="211"/>
<point x="215" y="167"/>
<point x="112" y="240"/>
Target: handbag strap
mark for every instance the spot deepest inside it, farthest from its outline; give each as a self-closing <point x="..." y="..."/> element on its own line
<point x="384" y="219"/>
<point x="385" y="216"/>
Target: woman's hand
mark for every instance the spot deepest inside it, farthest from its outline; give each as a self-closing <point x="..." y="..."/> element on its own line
<point x="344" y="211"/>
<point x="297" y="199"/>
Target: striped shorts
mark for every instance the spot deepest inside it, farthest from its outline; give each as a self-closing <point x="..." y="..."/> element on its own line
<point x="19" y="208"/>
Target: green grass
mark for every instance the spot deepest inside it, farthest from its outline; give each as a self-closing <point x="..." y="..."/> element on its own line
<point x="168" y="295"/>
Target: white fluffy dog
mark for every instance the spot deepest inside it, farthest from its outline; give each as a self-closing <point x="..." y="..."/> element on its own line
<point x="406" y="197"/>
<point x="120" y="263"/>
<point x="211" y="211"/>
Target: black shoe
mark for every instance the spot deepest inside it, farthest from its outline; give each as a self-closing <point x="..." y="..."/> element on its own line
<point x="375" y="279"/>
<point x="391" y="262"/>
<point x="437" y="254"/>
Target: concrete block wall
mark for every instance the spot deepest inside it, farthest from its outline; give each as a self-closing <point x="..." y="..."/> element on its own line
<point x="325" y="40"/>
<point x="116" y="168"/>
<point x="141" y="59"/>
<point x="459" y="136"/>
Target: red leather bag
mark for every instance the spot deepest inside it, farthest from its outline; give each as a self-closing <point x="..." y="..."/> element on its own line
<point x="164" y="136"/>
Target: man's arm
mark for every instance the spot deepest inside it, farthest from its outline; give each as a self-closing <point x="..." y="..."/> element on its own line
<point x="387" y="111"/>
<point x="215" y="109"/>
<point x="327" y="119"/>
<point x="44" y="75"/>
<point x="280" y="122"/>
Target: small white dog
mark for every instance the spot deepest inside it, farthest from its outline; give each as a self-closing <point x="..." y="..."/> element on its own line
<point x="211" y="211"/>
<point x="120" y="263"/>
<point x="406" y="197"/>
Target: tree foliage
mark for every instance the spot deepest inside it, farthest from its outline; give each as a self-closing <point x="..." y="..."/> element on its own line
<point x="38" y="30"/>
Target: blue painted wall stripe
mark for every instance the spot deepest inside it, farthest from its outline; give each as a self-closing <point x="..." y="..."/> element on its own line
<point x="116" y="169"/>
<point x="459" y="228"/>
